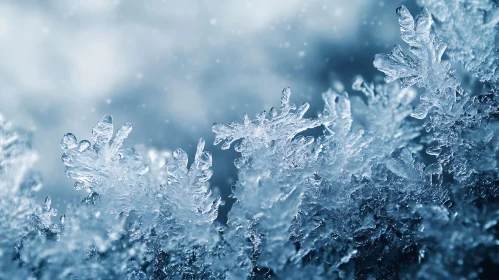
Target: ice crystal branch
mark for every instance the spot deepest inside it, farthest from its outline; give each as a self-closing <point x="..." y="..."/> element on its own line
<point x="104" y="164"/>
<point x="16" y="157"/>
<point x="361" y="200"/>
<point x="186" y="192"/>
<point x="469" y="27"/>
<point x="262" y="132"/>
<point x="269" y="189"/>
<point x="451" y="105"/>
<point x="20" y="216"/>
<point x="426" y="69"/>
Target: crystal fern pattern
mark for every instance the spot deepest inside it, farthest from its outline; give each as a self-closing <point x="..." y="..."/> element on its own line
<point x="402" y="182"/>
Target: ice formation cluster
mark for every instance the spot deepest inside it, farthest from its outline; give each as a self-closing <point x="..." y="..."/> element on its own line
<point x="407" y="188"/>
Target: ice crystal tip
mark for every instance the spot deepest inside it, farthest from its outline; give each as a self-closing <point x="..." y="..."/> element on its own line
<point x="83" y="145"/>
<point x="357" y="83"/>
<point x="200" y="147"/>
<point x="402" y="11"/>
<point x="286" y="93"/>
<point x="68" y="142"/>
<point x="48" y="202"/>
<point x="103" y="131"/>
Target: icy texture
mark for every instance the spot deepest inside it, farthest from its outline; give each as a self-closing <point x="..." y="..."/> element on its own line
<point x="454" y="114"/>
<point x="312" y="218"/>
<point x="136" y="223"/>
<point x="384" y="192"/>
<point x="274" y="172"/>
<point x="186" y="191"/>
<point x="470" y="29"/>
<point x="277" y="131"/>
<point x="16" y="157"/>
<point x="96" y="166"/>
<point x="464" y="140"/>
<point x="20" y="216"/>
<point x="426" y="68"/>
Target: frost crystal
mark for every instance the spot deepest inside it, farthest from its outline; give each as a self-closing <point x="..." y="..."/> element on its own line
<point x="134" y="224"/>
<point x="16" y="157"/>
<point x="286" y="214"/>
<point x="20" y="216"/>
<point x="274" y="170"/>
<point x="426" y="69"/>
<point x="187" y="187"/>
<point x="102" y="165"/>
<point x="470" y="29"/>
<point x="463" y="129"/>
<point x="376" y="195"/>
<point x="262" y="132"/>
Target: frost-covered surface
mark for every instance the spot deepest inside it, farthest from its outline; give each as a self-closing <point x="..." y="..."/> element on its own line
<point x="469" y="27"/>
<point x="395" y="187"/>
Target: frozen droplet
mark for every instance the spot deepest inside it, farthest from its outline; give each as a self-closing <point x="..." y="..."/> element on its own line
<point x="286" y="93"/>
<point x="68" y="142"/>
<point x="180" y="156"/>
<point x="84" y="144"/>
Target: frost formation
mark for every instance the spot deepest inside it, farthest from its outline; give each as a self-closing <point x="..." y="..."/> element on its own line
<point x="377" y="194"/>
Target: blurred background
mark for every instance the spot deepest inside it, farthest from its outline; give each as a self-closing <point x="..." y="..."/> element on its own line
<point x="173" y="68"/>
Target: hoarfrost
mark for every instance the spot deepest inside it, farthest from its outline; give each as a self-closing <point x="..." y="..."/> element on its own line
<point x="377" y="194"/>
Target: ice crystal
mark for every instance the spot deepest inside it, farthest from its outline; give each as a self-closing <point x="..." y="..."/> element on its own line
<point x="469" y="27"/>
<point x="265" y="133"/>
<point x="426" y="69"/>
<point x="385" y="191"/>
<point x="274" y="170"/>
<point x="94" y="166"/>
<point x="282" y="207"/>
<point x="17" y="205"/>
<point x="462" y="128"/>
<point x="455" y="113"/>
<point x="16" y="157"/>
<point x="134" y="224"/>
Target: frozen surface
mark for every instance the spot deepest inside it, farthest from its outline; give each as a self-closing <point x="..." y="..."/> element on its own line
<point x="387" y="181"/>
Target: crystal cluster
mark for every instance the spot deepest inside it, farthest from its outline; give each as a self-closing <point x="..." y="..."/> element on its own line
<point x="395" y="186"/>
